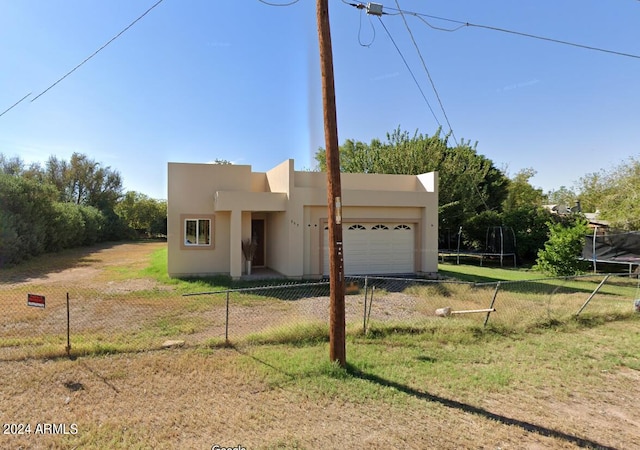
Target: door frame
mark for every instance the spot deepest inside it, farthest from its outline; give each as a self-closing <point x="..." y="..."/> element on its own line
<point x="260" y="239"/>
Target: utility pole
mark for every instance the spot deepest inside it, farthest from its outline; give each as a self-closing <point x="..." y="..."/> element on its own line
<point x="337" y="344"/>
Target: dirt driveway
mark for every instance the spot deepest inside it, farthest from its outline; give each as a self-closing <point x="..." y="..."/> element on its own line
<point x="92" y="266"/>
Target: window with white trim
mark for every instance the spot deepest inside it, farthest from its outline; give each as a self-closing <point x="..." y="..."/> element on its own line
<point x="380" y="227"/>
<point x="197" y="232"/>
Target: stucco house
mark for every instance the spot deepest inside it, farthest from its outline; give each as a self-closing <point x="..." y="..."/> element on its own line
<point x="390" y="222"/>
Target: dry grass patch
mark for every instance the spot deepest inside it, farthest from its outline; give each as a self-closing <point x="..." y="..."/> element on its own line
<point x="528" y="380"/>
<point x="418" y="395"/>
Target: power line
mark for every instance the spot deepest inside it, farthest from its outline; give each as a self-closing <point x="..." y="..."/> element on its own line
<point x="424" y="65"/>
<point x="279" y="4"/>
<point x="360" y="30"/>
<point x="410" y="71"/>
<point x="361" y="6"/>
<point x="97" y="51"/>
<point x="461" y="24"/>
<point x="518" y="33"/>
<point x="557" y="41"/>
<point x="14" y="105"/>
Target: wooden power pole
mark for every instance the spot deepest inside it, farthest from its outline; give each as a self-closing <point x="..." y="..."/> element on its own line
<point x="337" y="344"/>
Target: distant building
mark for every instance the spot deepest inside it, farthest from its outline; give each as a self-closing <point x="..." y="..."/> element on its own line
<point x="592" y="218"/>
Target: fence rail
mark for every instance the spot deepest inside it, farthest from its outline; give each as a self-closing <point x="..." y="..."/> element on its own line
<point x="82" y="320"/>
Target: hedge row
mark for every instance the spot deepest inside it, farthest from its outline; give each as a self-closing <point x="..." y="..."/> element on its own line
<point x="33" y="222"/>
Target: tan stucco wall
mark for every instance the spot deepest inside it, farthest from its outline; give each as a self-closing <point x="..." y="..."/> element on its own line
<point x="191" y="189"/>
<point x="360" y="181"/>
<point x="294" y="207"/>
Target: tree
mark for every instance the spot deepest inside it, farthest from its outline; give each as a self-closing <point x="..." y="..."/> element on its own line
<point x="520" y="192"/>
<point x="55" y="172"/>
<point x="561" y="253"/>
<point x="563" y="196"/>
<point x="65" y="204"/>
<point x="94" y="224"/>
<point x="143" y="214"/>
<point x="11" y="166"/>
<point x="66" y="229"/>
<point x="84" y="182"/>
<point x="25" y="211"/>
<point x="531" y="229"/>
<point x="469" y="183"/>
<point x="592" y="190"/>
<point x="615" y="193"/>
<point x="474" y="230"/>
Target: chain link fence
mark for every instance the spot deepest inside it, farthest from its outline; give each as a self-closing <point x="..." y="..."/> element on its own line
<point x="79" y="320"/>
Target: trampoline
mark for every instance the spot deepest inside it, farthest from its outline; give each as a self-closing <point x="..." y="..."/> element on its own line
<point x="500" y="243"/>
<point x="612" y="248"/>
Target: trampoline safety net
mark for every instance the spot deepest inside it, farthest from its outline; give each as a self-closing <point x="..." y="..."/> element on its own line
<point x="620" y="248"/>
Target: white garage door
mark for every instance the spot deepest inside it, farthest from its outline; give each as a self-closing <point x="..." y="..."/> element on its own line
<point x="375" y="248"/>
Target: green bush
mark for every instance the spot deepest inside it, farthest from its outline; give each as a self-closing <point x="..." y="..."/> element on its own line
<point x="9" y="240"/>
<point x="561" y="253"/>
<point x="94" y="223"/>
<point x="66" y="228"/>
<point x="531" y="228"/>
<point x="27" y="207"/>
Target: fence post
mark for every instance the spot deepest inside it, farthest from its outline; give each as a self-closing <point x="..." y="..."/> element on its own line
<point x="68" y="347"/>
<point x="373" y="289"/>
<point x="226" y="323"/>
<point x="493" y="300"/>
<point x="364" y="315"/>
<point x="595" y="291"/>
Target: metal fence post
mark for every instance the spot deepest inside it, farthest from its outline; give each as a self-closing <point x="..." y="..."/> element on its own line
<point x="364" y="315"/>
<point x="595" y="291"/>
<point x="493" y="301"/>
<point x="226" y="322"/>
<point x="68" y="347"/>
<point x="373" y="289"/>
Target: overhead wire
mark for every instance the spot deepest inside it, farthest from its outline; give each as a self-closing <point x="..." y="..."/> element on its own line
<point x="279" y="4"/>
<point x="97" y="51"/>
<point x="463" y="24"/>
<point x="14" y="105"/>
<point x="410" y="71"/>
<point x="424" y="65"/>
<point x="444" y="112"/>
<point x="360" y="30"/>
<point x="361" y="6"/>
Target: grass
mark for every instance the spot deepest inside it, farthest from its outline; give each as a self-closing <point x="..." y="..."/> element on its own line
<point x="157" y="269"/>
<point x="469" y="364"/>
<point x="472" y="362"/>
<point x="297" y="334"/>
<point x="479" y="274"/>
<point x="428" y="383"/>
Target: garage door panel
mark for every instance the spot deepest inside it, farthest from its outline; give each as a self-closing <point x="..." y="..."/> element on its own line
<point x="381" y="248"/>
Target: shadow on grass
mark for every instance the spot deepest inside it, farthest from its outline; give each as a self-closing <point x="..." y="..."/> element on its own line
<point x="449" y="403"/>
<point x="471" y="278"/>
<point x="48" y="263"/>
<point x="290" y="376"/>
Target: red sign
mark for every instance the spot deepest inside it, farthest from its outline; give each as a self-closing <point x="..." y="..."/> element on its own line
<point x="35" y="300"/>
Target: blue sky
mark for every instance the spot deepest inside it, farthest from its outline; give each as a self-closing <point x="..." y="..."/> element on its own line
<point x="196" y="80"/>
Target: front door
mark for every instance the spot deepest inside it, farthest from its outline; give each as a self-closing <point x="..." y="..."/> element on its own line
<point x="257" y="234"/>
